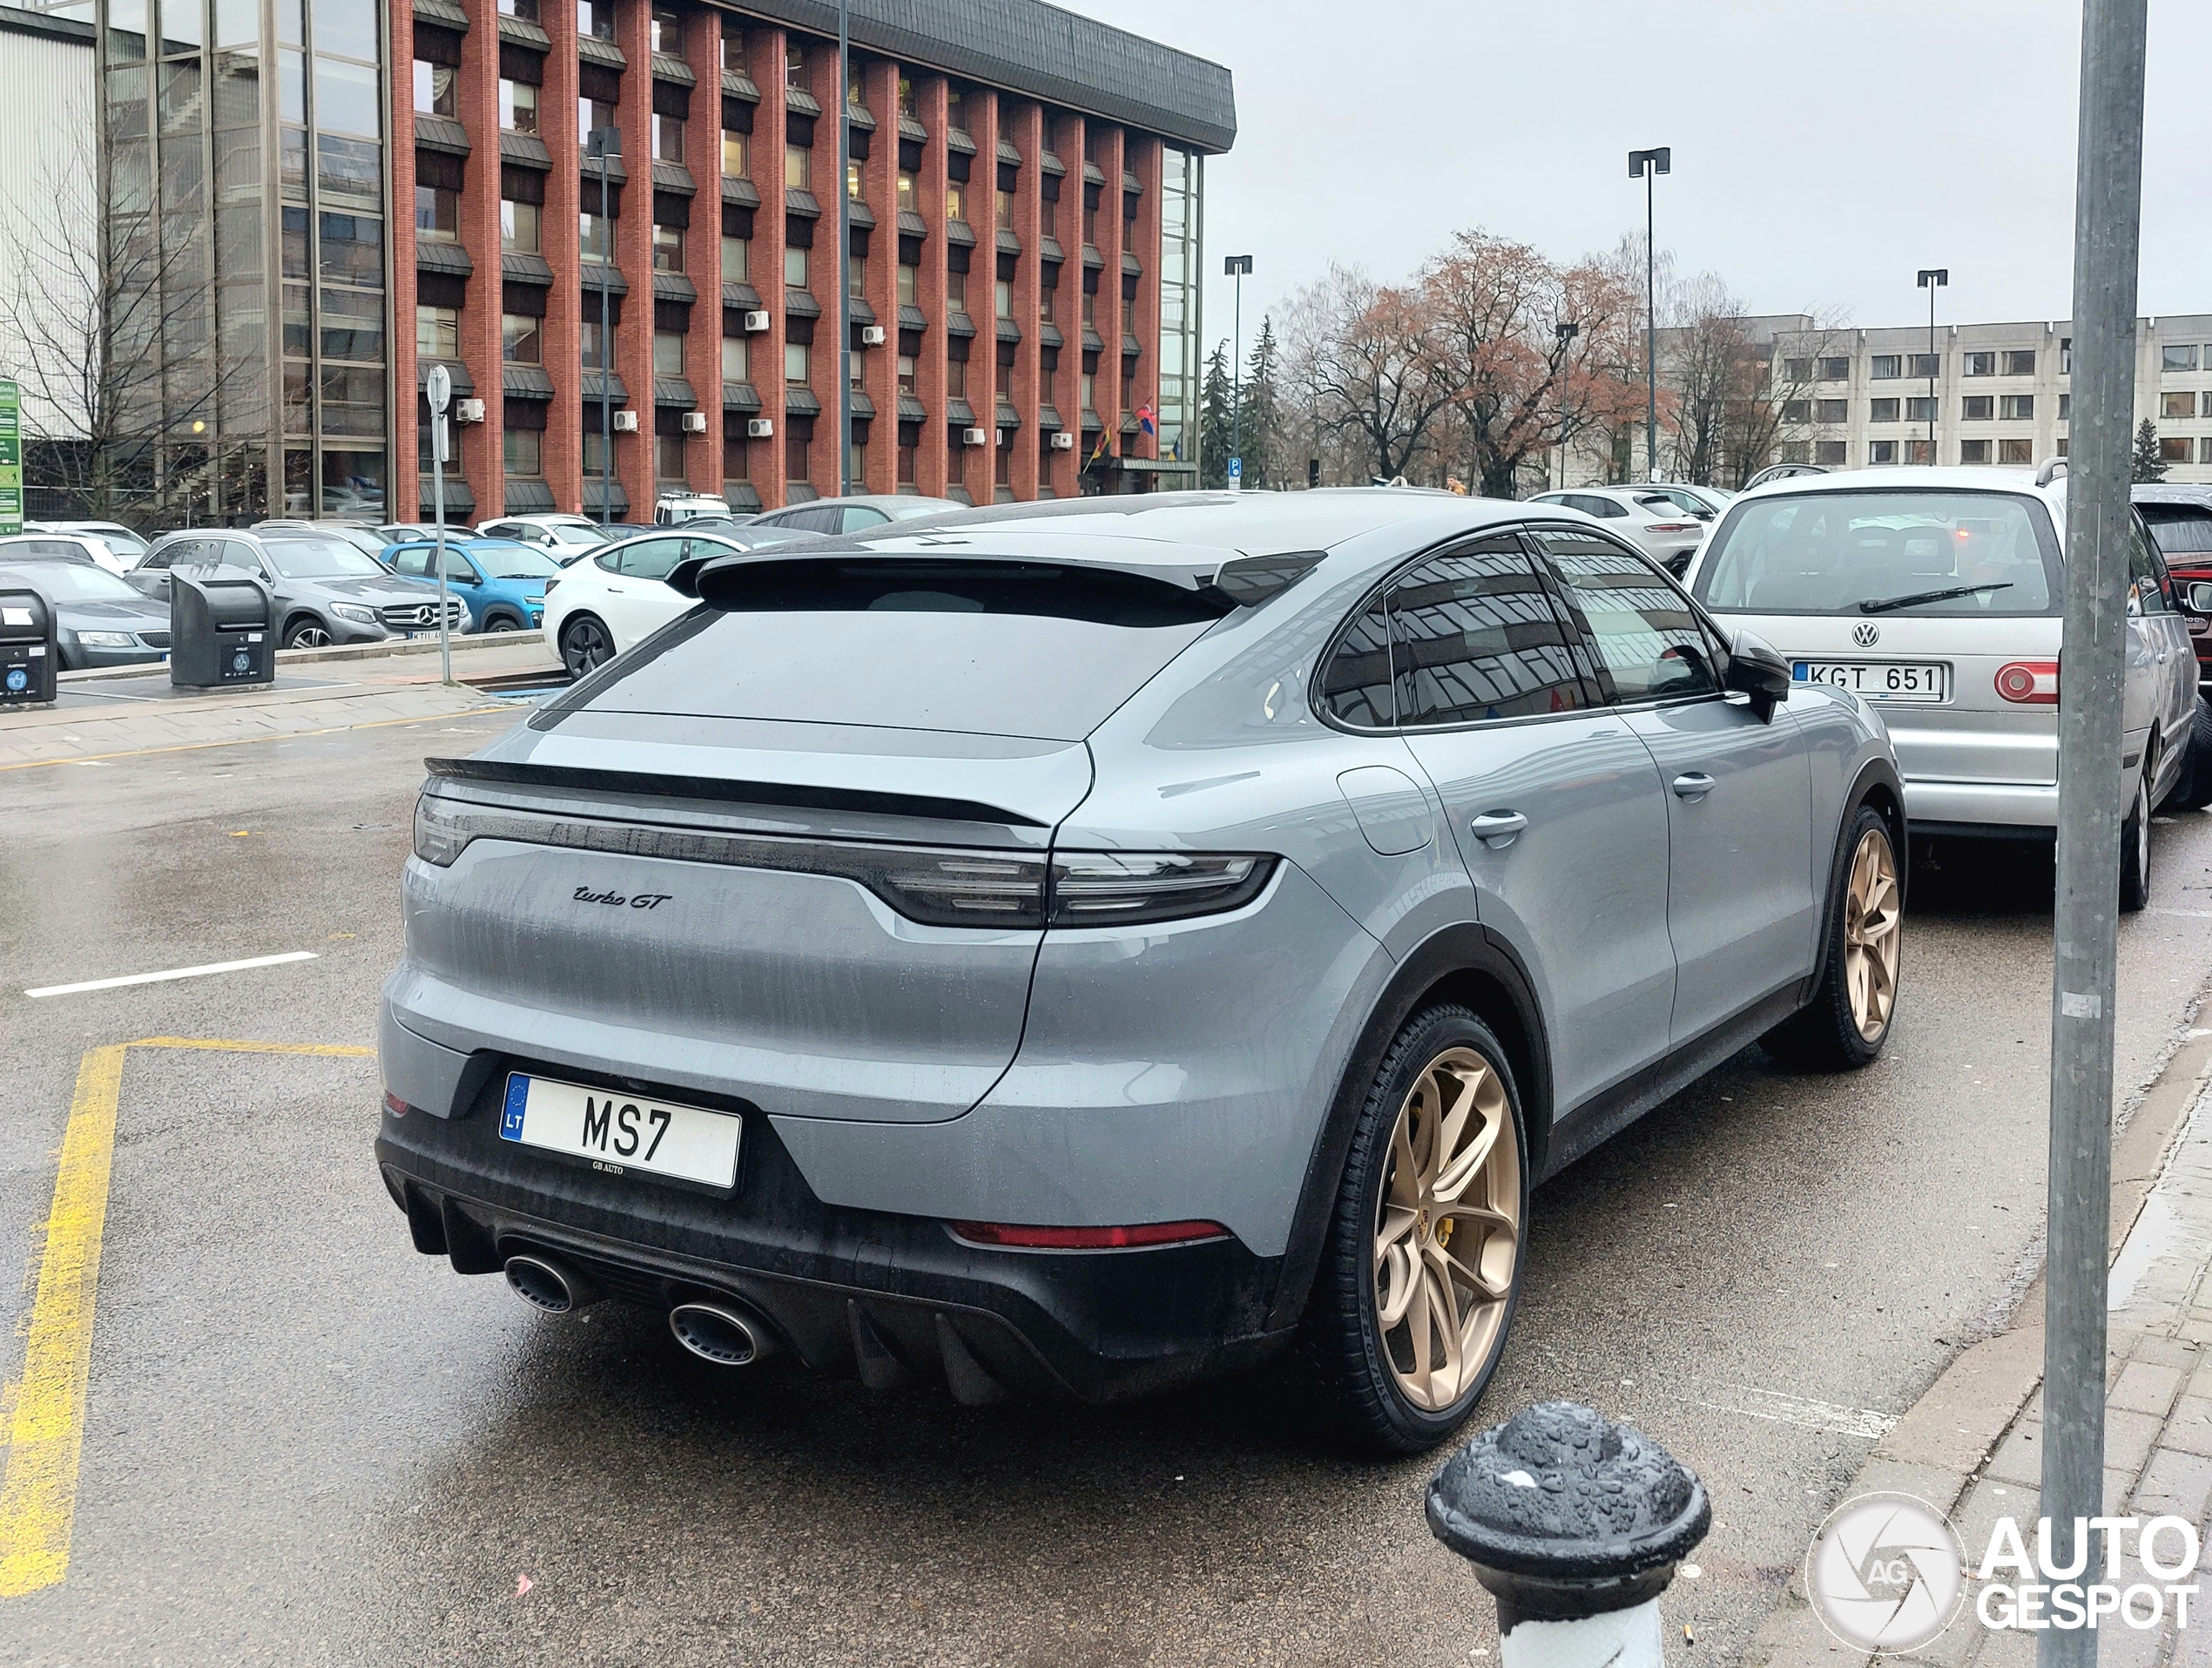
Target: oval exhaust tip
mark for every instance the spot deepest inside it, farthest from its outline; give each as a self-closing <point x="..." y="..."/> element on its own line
<point x="719" y="1334"/>
<point x="542" y="1284"/>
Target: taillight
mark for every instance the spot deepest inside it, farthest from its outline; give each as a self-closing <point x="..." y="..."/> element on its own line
<point x="394" y="1105"/>
<point x="1105" y="888"/>
<point x="1026" y="1238"/>
<point x="1672" y="527"/>
<point x="2029" y="683"/>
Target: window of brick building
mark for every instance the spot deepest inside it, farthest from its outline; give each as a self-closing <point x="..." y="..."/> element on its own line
<point x="668" y="31"/>
<point x="732" y="46"/>
<point x="795" y="266"/>
<point x="667" y="248"/>
<point x="668" y="138"/>
<point x="798" y="465"/>
<point x="668" y="458"/>
<point x="736" y="258"/>
<point x="956" y="379"/>
<point x="1002" y="297"/>
<point x="521" y="339"/>
<point x="956" y="291"/>
<point x="437" y="332"/>
<point x="522" y="452"/>
<point x="1002" y="211"/>
<point x="906" y="193"/>
<point x="737" y="153"/>
<point x="799" y="167"/>
<point x="955" y="201"/>
<point x="796" y="357"/>
<point x="434" y="93"/>
<point x="795" y="69"/>
<point x="518" y="107"/>
<point x="437" y="214"/>
<point x="856" y="275"/>
<point x="588" y="353"/>
<point x="737" y="360"/>
<point x="906" y="373"/>
<point x="668" y="353"/>
<point x="595" y="237"/>
<point x="518" y="227"/>
<point x="597" y="19"/>
<point x="526" y="9"/>
<point x="737" y="455"/>
<point x="909" y="286"/>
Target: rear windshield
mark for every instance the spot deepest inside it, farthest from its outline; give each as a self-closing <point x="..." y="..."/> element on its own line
<point x="993" y="648"/>
<point x="1910" y="552"/>
<point x="2179" y="531"/>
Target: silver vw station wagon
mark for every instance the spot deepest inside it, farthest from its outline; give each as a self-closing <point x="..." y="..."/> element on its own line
<point x="1939" y="595"/>
<point x="1077" y="949"/>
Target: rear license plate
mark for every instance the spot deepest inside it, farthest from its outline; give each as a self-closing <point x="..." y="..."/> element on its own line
<point x="1882" y="681"/>
<point x="619" y="1133"/>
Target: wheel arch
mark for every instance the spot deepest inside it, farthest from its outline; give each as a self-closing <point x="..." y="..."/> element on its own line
<point x="1464" y="964"/>
<point x="1878" y="785"/>
<point x="300" y="614"/>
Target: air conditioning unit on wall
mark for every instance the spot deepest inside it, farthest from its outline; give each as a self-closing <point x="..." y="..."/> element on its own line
<point x="695" y="422"/>
<point x="760" y="427"/>
<point x="974" y="437"/>
<point x="756" y="321"/>
<point x="1063" y="441"/>
<point x="468" y="411"/>
<point x="871" y="335"/>
<point x="625" y="423"/>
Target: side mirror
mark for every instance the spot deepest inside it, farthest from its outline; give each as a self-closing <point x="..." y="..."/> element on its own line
<point x="2197" y="597"/>
<point x="1755" y="670"/>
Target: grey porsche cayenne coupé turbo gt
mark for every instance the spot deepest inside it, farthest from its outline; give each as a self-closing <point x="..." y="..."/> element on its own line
<point x="1079" y="949"/>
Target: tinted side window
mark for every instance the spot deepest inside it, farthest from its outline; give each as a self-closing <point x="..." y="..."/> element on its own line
<point x="1355" y="687"/>
<point x="168" y="554"/>
<point x="858" y="518"/>
<point x="232" y="554"/>
<point x="2149" y="587"/>
<point x="1474" y="636"/>
<point x="651" y="558"/>
<point x="1639" y="628"/>
<point x="414" y="564"/>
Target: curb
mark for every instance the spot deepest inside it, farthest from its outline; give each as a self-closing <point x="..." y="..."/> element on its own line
<point x="398" y="645"/>
<point x="1946" y="1437"/>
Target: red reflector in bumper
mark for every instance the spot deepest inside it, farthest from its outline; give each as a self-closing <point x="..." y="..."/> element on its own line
<point x="1036" y="1239"/>
<point x="394" y="1105"/>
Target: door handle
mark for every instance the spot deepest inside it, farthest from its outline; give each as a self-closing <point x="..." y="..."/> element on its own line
<point x="1497" y="829"/>
<point x="1693" y="784"/>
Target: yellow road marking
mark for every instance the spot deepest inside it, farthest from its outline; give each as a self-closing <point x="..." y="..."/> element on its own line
<point x="45" y="1428"/>
<point x="243" y="741"/>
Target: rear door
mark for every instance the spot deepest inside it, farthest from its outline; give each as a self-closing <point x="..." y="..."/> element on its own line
<point x="635" y="601"/>
<point x="2168" y="658"/>
<point x="1740" y="905"/>
<point x="1554" y="803"/>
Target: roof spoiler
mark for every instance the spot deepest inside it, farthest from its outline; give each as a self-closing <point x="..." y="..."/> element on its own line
<point x="1243" y="581"/>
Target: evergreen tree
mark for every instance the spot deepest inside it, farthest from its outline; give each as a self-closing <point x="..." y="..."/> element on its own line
<point x="1213" y="420"/>
<point x="1263" y="413"/>
<point x="2149" y="466"/>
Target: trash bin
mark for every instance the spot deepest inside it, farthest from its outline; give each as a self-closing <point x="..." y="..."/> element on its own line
<point x="29" y="658"/>
<point x="222" y="628"/>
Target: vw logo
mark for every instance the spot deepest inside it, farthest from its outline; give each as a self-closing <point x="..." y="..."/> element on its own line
<point x="1866" y="634"/>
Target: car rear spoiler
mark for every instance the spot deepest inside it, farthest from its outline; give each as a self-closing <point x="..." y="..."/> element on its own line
<point x="1240" y="581"/>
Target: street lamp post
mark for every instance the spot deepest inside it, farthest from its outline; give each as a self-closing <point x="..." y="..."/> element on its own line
<point x="1647" y="165"/>
<point x="605" y="143"/>
<point x="1932" y="279"/>
<point x="1564" y="333"/>
<point x="1236" y="266"/>
<point x="843" y="254"/>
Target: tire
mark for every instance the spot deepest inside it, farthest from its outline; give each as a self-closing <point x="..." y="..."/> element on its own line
<point x="2135" y="846"/>
<point x="2194" y="791"/>
<point x="502" y="622"/>
<point x="307" y="633"/>
<point x="586" y="644"/>
<point x="1381" y="1400"/>
<point x="1847" y="1023"/>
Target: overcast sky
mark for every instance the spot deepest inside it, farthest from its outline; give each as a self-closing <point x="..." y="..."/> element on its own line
<point x="1823" y="150"/>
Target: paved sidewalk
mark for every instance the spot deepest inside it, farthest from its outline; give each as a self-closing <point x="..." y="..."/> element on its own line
<point x="1972" y="1446"/>
<point x="102" y="718"/>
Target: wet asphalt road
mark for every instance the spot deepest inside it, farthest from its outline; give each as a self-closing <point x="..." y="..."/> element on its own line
<point x="305" y="1443"/>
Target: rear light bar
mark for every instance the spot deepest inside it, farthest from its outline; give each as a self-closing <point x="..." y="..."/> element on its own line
<point x="1672" y="527"/>
<point x="2029" y="683"/>
<point x="937" y="886"/>
<point x="1025" y="1238"/>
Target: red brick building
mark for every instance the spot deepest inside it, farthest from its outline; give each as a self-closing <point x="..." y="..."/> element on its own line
<point x="1023" y="197"/>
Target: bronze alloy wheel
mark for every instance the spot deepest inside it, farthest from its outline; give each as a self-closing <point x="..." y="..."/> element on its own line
<point x="1448" y="1229"/>
<point x="1870" y="938"/>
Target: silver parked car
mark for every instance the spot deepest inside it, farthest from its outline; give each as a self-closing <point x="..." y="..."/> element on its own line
<point x="327" y="590"/>
<point x="1938" y="594"/>
<point x="1079" y="949"/>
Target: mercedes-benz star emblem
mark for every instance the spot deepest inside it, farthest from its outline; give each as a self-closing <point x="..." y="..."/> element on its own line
<point x="1866" y="634"/>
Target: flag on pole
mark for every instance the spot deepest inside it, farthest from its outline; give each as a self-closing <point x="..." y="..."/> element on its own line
<point x="1145" y="419"/>
<point x="1099" y="450"/>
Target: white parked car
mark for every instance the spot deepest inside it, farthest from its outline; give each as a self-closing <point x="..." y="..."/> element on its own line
<point x="1647" y="517"/>
<point x="619" y="594"/>
<point x="562" y="537"/>
<point x="115" y="551"/>
<point x="1937" y="596"/>
<point x="1700" y="502"/>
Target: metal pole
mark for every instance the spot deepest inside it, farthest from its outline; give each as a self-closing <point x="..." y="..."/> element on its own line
<point x="606" y="358"/>
<point x="1237" y="380"/>
<point x="844" y="257"/>
<point x="2108" y="203"/>
<point x="438" y="508"/>
<point x="1932" y="375"/>
<point x="1651" y="331"/>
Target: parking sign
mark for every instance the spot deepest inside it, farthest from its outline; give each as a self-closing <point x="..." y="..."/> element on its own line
<point x="10" y="457"/>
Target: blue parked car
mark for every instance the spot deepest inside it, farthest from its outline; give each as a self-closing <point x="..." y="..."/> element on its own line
<point x="501" y="580"/>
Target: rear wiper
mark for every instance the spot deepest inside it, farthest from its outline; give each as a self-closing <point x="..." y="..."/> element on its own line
<point x="1883" y="604"/>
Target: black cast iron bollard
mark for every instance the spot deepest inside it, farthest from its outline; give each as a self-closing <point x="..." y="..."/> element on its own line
<point x="1575" y="1526"/>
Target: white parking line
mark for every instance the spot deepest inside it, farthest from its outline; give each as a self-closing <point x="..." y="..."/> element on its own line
<point x="1868" y="1422"/>
<point x="174" y="973"/>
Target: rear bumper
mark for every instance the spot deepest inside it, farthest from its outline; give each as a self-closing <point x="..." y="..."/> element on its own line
<point x="2005" y="805"/>
<point x="889" y="1298"/>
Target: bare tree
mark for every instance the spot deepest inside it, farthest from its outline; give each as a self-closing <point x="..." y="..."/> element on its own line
<point x="1524" y="381"/>
<point x="85" y="331"/>
<point x="1741" y="397"/>
<point x="1365" y="355"/>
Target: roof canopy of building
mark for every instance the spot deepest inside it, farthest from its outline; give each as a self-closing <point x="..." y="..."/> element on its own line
<point x="1042" y="52"/>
